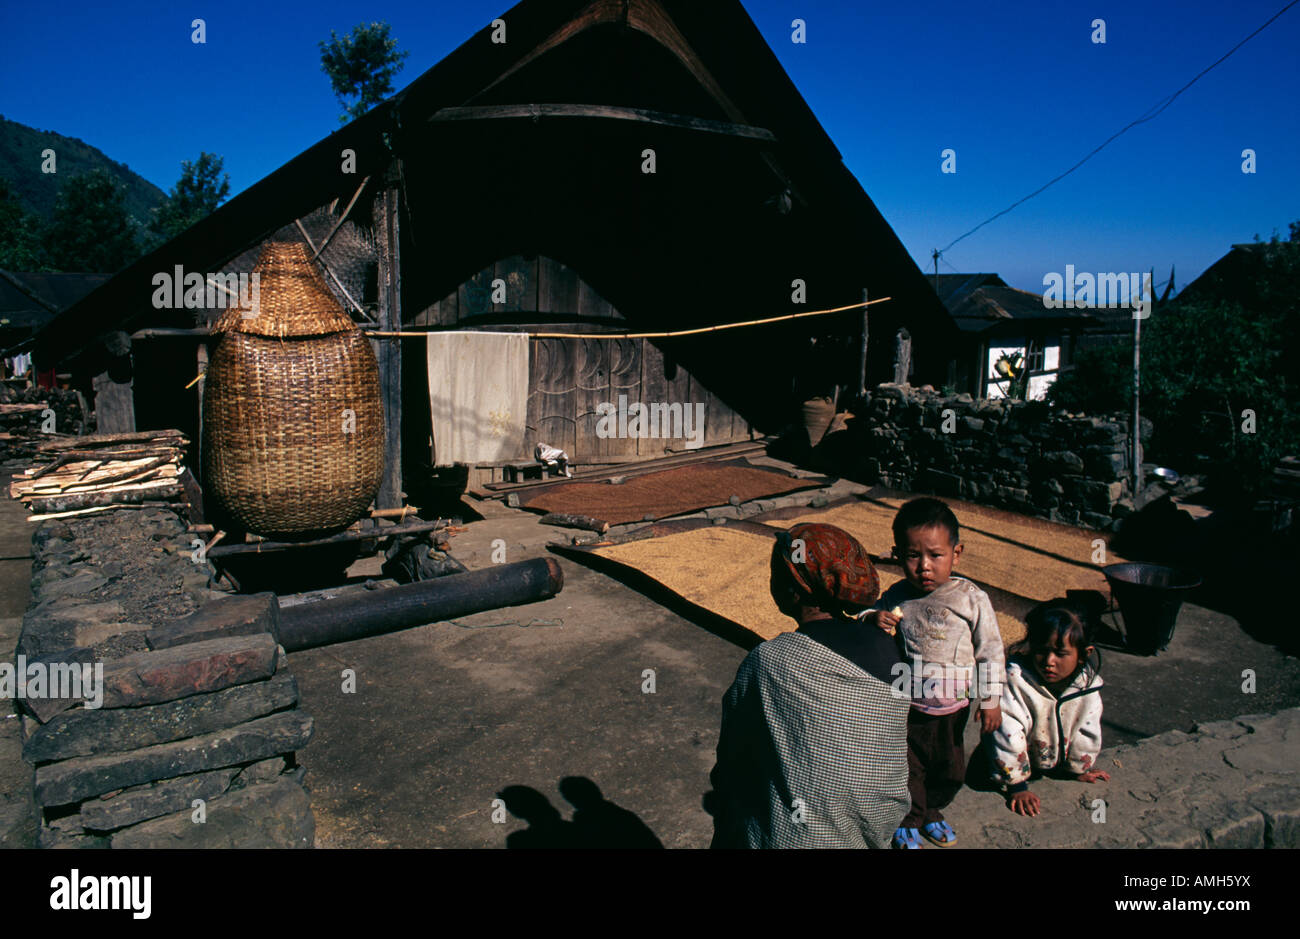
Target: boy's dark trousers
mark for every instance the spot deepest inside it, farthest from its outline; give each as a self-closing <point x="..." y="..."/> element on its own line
<point x="936" y="763"/>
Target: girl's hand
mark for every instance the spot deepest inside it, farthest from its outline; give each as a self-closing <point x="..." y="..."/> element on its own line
<point x="990" y="718"/>
<point x="1093" y="775"/>
<point x="1024" y="803"/>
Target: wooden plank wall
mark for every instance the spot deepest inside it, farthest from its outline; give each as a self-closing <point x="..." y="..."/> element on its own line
<point x="569" y="378"/>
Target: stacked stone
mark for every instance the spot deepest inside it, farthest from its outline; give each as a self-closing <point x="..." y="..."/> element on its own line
<point x="24" y="431"/>
<point x="1067" y="468"/>
<point x="193" y="744"/>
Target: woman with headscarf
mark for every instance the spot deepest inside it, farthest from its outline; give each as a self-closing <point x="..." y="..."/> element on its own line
<point x="813" y="749"/>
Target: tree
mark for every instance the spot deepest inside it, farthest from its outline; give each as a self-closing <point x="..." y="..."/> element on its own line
<point x="20" y="234"/>
<point x="1217" y="372"/>
<point x="195" y="196"/>
<point x="361" y="65"/>
<point x="91" y="230"/>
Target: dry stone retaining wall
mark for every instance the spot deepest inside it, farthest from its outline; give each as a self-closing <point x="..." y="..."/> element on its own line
<point x="1012" y="455"/>
<point x="197" y="701"/>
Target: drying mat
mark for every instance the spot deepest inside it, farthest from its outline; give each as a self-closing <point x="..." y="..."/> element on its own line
<point x="675" y="491"/>
<point x="725" y="570"/>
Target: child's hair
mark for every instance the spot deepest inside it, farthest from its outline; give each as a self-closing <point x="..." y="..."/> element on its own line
<point x="924" y="513"/>
<point x="1057" y="618"/>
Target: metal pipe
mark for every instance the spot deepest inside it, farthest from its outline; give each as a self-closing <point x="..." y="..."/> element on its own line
<point x="428" y="601"/>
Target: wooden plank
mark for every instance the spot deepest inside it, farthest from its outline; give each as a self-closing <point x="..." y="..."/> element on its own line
<point x="551" y="417"/>
<point x="557" y="287"/>
<point x="114" y="405"/>
<point x="654" y="387"/>
<point x="590" y="368"/>
<point x="520" y="275"/>
<point x="624" y="379"/>
<point x="590" y="303"/>
<point x="474" y="296"/>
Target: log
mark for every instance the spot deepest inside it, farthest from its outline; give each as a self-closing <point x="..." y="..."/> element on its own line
<point x="366" y="534"/>
<point x="328" y="621"/>
<point x="104" y="508"/>
<point x="172" y="437"/>
<point x="87" y="500"/>
<point x="585" y="522"/>
<point x="394" y="513"/>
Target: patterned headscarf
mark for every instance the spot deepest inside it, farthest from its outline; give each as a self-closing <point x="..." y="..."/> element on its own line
<point x="834" y="569"/>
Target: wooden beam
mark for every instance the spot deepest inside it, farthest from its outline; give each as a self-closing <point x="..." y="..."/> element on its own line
<point x="342" y="218"/>
<point x="862" y="360"/>
<point x="337" y="283"/>
<point x="351" y="534"/>
<point x="389" y="354"/>
<point x="602" y="112"/>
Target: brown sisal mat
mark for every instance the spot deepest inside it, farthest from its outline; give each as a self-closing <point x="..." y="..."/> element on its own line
<point x="668" y="492"/>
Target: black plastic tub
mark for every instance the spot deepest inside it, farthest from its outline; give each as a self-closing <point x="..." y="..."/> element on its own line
<point x="1149" y="598"/>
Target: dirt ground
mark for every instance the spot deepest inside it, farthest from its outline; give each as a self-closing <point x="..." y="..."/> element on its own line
<point x="447" y="716"/>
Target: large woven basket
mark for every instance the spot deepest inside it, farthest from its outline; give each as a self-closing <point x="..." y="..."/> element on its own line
<point x="281" y="456"/>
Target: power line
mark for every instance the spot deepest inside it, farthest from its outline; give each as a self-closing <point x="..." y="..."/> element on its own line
<point x="1150" y="114"/>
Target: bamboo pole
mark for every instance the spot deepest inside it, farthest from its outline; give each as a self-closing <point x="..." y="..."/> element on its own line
<point x="406" y="334"/>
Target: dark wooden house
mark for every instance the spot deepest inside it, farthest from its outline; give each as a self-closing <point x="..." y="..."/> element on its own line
<point x="528" y="162"/>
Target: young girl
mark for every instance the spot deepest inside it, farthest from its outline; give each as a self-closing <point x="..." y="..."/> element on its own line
<point x="1051" y="706"/>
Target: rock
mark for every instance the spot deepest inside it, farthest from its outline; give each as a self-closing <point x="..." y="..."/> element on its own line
<point x="264" y="771"/>
<point x="1167" y="833"/>
<point x="193" y="668"/>
<point x="1232" y="824"/>
<point x="972" y="424"/>
<point x="1063" y="461"/>
<point x="232" y="616"/>
<point x="83" y="732"/>
<point x="940" y="483"/>
<point x="78" y="584"/>
<point x="58" y="669"/>
<point x="56" y="625"/>
<point x="1105" y="466"/>
<point x="1280" y="806"/>
<point x="50" y="838"/>
<point x="82" y="777"/>
<point x="53" y="530"/>
<point x="141" y="803"/>
<point x="272" y="815"/>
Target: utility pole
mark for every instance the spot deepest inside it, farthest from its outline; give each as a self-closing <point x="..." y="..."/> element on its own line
<point x="1135" y="428"/>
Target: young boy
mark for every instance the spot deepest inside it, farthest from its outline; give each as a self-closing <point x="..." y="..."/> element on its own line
<point x="950" y="636"/>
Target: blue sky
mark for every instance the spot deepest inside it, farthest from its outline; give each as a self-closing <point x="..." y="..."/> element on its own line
<point x="1017" y="89"/>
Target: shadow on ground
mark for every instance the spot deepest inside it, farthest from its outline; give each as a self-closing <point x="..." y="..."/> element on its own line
<point x="596" y="823"/>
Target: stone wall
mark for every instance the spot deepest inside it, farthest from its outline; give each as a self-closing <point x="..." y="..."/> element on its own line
<point x="1013" y="455"/>
<point x="194" y="741"/>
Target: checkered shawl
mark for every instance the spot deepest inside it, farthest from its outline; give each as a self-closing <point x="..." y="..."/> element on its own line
<point x="812" y="754"/>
